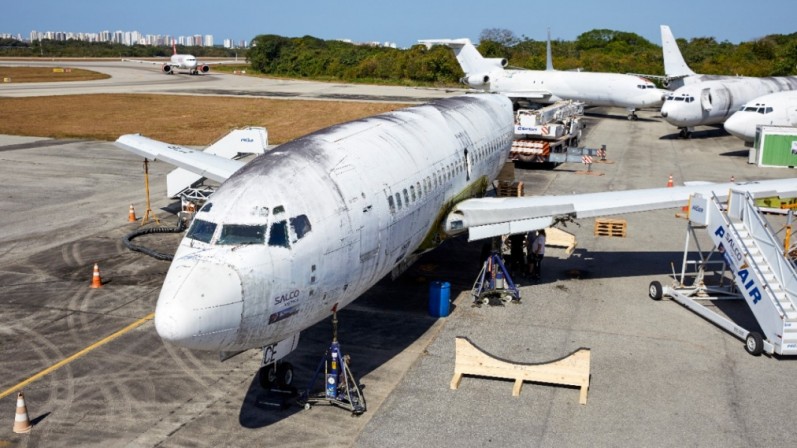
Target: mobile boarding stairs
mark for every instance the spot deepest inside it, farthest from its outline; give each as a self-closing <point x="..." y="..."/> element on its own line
<point x="746" y="249"/>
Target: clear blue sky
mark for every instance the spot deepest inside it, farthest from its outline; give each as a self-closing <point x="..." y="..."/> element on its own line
<point x="403" y="21"/>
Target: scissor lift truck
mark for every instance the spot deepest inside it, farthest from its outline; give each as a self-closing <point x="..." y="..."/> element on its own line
<point x="746" y="250"/>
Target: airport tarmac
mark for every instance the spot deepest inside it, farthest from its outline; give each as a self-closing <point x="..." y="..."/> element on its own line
<point x="660" y="375"/>
<point x="131" y="77"/>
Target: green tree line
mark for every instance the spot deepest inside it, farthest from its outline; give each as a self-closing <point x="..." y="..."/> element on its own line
<point x="596" y="50"/>
<point x="82" y="49"/>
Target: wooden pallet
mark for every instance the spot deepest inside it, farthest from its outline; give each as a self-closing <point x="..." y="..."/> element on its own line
<point x="508" y="189"/>
<point x="610" y="227"/>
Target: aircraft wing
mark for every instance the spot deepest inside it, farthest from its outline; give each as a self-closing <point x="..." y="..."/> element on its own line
<point x="488" y="217"/>
<point x="530" y="94"/>
<point x="141" y="61"/>
<point x="207" y="165"/>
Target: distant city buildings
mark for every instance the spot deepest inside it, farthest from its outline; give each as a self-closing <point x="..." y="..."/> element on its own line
<point x="127" y="38"/>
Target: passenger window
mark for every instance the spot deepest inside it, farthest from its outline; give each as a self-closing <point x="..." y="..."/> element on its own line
<point x="201" y="230"/>
<point x="279" y="234"/>
<point x="418" y="186"/>
<point x="406" y="198"/>
<point x="412" y="193"/>
<point x="391" y="204"/>
<point x="242" y="234"/>
<point x="398" y="200"/>
<point x="301" y="226"/>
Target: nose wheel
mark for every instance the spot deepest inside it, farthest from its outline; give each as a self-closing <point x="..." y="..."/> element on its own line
<point x="684" y="133"/>
<point x="279" y="374"/>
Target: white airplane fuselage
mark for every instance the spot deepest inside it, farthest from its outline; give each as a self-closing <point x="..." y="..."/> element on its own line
<point x="314" y="223"/>
<point x="777" y="109"/>
<point x="712" y="102"/>
<point x="184" y="62"/>
<point x="594" y="89"/>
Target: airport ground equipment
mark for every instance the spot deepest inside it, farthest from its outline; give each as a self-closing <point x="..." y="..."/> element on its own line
<point x="747" y="262"/>
<point x="340" y="387"/>
<point x="571" y="370"/>
<point x="494" y="281"/>
<point x="774" y="146"/>
<point x="544" y="135"/>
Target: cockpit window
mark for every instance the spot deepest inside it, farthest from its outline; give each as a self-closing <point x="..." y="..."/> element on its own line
<point x="201" y="230"/>
<point x="279" y="234"/>
<point x="301" y="226"/>
<point x="206" y="207"/>
<point x="242" y="234"/>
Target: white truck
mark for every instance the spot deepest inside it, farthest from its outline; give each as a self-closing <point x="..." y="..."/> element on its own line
<point x="544" y="135"/>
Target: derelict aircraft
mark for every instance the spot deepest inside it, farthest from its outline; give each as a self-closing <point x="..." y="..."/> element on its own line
<point x="775" y="109"/>
<point x="312" y="224"/>
<point x="186" y="62"/>
<point x="549" y="86"/>
<point x="701" y="100"/>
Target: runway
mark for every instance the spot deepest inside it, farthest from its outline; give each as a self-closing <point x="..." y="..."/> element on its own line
<point x="130" y="77"/>
<point x="661" y="376"/>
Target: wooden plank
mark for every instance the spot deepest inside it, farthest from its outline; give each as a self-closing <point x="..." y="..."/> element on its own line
<point x="572" y="370"/>
<point x="610" y="227"/>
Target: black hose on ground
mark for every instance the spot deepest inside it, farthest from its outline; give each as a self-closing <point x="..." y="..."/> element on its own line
<point x="128" y="240"/>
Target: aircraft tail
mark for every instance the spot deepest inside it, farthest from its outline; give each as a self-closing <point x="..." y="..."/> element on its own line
<point x="674" y="64"/>
<point x="548" y="57"/>
<point x="467" y="55"/>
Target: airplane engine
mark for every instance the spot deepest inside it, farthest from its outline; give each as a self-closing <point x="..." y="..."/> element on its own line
<point x="476" y="80"/>
<point x="167" y="68"/>
<point x="203" y="68"/>
<point x="497" y="62"/>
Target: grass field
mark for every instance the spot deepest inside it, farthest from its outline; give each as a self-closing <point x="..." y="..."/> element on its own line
<point x="48" y="74"/>
<point x="186" y="120"/>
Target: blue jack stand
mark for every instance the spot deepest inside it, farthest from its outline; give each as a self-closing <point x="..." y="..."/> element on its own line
<point x="494" y="281"/>
<point x="340" y="387"/>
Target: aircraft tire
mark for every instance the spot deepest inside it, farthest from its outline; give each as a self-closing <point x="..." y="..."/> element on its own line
<point x="754" y="343"/>
<point x="267" y="376"/>
<point x="655" y="291"/>
<point x="285" y="374"/>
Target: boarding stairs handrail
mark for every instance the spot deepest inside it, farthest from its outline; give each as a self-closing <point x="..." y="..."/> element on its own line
<point x="769" y="245"/>
<point x="752" y="264"/>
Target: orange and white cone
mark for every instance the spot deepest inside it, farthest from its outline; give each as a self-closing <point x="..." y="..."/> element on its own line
<point x="131" y="216"/>
<point x="669" y="181"/>
<point x="21" y="421"/>
<point x="96" y="281"/>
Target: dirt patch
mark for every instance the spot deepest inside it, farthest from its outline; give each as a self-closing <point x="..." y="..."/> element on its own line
<point x="186" y="120"/>
<point x="48" y="74"/>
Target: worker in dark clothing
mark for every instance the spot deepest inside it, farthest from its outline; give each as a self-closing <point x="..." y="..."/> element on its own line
<point x="516" y="262"/>
<point x="537" y="253"/>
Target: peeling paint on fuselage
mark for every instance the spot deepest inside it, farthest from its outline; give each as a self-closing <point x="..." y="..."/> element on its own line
<point x="349" y="181"/>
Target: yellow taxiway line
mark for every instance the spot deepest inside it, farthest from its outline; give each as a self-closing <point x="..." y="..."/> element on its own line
<point x="77" y="355"/>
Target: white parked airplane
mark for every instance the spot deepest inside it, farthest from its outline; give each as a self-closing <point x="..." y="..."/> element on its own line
<point x="778" y="109"/>
<point x="309" y="226"/>
<point x="549" y="86"/>
<point x="184" y="62"/>
<point x="708" y="99"/>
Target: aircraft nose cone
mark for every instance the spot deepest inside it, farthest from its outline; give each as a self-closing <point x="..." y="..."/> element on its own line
<point x="200" y="305"/>
<point x="738" y="128"/>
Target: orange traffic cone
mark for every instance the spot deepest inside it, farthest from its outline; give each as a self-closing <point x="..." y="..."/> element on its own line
<point x="96" y="281"/>
<point x="669" y="181"/>
<point x="733" y="178"/>
<point x="21" y="421"/>
<point x="131" y="216"/>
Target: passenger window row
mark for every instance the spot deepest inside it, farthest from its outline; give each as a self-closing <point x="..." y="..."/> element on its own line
<point x="438" y="178"/>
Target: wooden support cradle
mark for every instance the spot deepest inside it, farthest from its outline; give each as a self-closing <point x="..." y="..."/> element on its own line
<point x="572" y="370"/>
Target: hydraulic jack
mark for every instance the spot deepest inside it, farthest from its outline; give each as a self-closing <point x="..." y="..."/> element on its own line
<point x="340" y="387"/>
<point x="494" y="281"/>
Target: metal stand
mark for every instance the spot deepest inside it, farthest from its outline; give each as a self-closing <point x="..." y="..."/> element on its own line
<point x="340" y="387"/>
<point x="494" y="281"/>
<point x="147" y="214"/>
